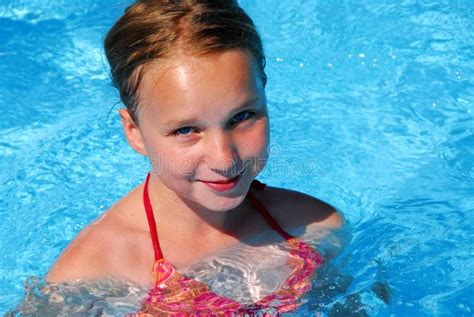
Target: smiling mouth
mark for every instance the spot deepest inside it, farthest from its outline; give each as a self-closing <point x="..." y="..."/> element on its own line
<point x="223" y="185"/>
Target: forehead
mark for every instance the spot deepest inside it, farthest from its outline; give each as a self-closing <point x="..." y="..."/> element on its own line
<point x="185" y="83"/>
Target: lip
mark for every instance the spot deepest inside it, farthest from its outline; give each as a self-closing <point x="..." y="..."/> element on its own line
<point x="223" y="186"/>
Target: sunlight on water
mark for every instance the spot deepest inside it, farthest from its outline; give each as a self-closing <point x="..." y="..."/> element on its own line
<point x="371" y="109"/>
<point x="246" y="273"/>
<point x="111" y="298"/>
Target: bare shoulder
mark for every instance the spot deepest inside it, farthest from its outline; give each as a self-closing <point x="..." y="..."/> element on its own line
<point x="293" y="209"/>
<point x="87" y="256"/>
<point x="107" y="248"/>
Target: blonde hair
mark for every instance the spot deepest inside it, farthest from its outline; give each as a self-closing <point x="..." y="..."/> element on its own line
<point x="158" y="29"/>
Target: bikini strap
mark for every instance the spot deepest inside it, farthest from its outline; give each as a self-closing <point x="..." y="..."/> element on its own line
<point x="264" y="212"/>
<point x="151" y="221"/>
<point x="258" y="184"/>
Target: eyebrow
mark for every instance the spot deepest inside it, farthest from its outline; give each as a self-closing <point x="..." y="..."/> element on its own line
<point x="190" y="121"/>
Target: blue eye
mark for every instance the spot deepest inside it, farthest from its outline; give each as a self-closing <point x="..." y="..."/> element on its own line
<point x="241" y="116"/>
<point x="183" y="131"/>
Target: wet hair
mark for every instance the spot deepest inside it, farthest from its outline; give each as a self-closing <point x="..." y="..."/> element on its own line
<point x="151" y="30"/>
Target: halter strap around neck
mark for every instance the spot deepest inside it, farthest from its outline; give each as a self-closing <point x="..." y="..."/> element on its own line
<point x="151" y="220"/>
<point x="261" y="209"/>
<point x="268" y="218"/>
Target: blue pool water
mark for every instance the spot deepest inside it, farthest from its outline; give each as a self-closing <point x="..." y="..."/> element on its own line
<point x="372" y="110"/>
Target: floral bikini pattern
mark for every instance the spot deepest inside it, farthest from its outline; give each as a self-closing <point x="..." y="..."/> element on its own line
<point x="173" y="294"/>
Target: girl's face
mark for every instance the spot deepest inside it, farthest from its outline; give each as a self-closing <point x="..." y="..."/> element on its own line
<point x="203" y="123"/>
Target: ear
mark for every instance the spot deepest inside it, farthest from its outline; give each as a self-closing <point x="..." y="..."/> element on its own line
<point x="132" y="132"/>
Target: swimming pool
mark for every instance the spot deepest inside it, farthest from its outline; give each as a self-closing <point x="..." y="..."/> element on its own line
<point x="372" y="110"/>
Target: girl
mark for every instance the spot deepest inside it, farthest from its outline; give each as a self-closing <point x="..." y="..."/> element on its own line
<point x="191" y="75"/>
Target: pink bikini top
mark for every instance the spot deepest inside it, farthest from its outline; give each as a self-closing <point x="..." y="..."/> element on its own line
<point x="173" y="294"/>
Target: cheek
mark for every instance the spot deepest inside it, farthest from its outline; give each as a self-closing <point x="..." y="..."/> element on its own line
<point x="171" y="163"/>
<point x="255" y="144"/>
<point x="262" y="139"/>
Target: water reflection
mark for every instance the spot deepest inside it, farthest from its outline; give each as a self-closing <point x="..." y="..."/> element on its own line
<point x="246" y="272"/>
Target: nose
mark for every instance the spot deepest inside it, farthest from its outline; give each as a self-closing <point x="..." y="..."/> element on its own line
<point x="221" y="153"/>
